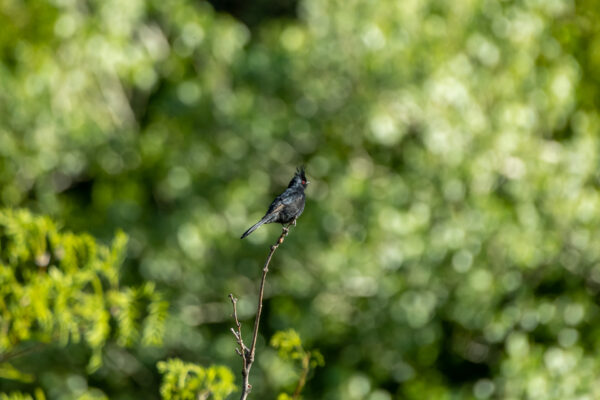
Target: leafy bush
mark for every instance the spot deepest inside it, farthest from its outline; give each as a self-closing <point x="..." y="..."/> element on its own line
<point x="63" y="288"/>
<point x="184" y="381"/>
<point x="289" y="347"/>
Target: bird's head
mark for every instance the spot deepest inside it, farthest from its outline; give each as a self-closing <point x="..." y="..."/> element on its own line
<point x="299" y="178"/>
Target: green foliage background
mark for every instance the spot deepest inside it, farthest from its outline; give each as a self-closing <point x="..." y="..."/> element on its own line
<point x="449" y="247"/>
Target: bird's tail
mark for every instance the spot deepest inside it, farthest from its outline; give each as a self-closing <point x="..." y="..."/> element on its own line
<point x="254" y="227"/>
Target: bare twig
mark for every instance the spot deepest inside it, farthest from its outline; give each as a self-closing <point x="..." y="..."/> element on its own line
<point x="237" y="333"/>
<point x="247" y="354"/>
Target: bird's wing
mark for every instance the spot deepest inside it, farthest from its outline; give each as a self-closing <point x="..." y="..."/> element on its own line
<point x="275" y="207"/>
<point x="290" y="197"/>
<point x="286" y="198"/>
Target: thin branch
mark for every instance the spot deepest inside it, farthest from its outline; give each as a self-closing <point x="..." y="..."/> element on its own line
<point x="238" y="334"/>
<point x="248" y="354"/>
<point x="303" y="375"/>
<point x="19" y="353"/>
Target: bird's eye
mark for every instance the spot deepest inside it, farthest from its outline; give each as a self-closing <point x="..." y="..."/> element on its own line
<point x="303" y="182"/>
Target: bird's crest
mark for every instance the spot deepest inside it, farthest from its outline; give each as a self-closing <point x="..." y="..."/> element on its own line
<point x="299" y="178"/>
<point x="300" y="171"/>
<point x="301" y="174"/>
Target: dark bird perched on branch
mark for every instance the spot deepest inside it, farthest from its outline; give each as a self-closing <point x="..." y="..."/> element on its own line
<point x="287" y="206"/>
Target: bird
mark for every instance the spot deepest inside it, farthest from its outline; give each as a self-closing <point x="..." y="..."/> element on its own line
<point x="288" y="206"/>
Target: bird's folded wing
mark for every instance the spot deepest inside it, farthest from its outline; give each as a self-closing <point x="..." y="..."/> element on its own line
<point x="290" y="199"/>
<point x="275" y="208"/>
